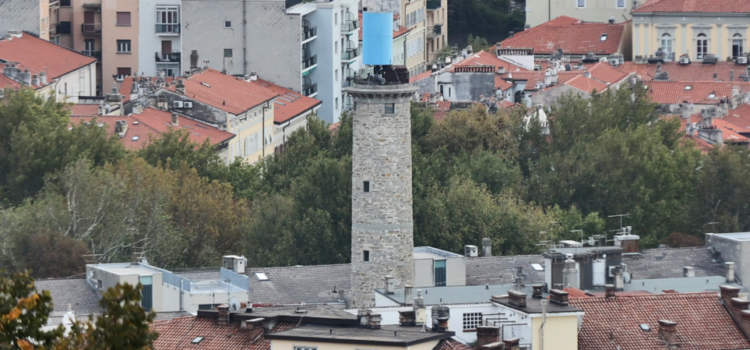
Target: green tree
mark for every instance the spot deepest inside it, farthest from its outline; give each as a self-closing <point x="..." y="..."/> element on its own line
<point x="23" y="313"/>
<point x="478" y="43"/>
<point x="175" y="147"/>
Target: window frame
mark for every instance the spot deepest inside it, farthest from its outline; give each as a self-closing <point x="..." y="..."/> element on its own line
<point x="229" y="24"/>
<point x="578" y="3"/>
<point x="739" y="41"/>
<point x="366" y="255"/>
<point x="470" y="319"/>
<point x="389" y="108"/>
<point x="624" y="4"/>
<point x="701" y="42"/>
<point x="130" y="19"/>
<point x="121" y="43"/>
<point x="229" y="52"/>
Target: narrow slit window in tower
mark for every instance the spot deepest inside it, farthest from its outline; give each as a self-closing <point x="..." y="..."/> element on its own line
<point x="366" y="255"/>
<point x="366" y="186"/>
<point x="390" y="108"/>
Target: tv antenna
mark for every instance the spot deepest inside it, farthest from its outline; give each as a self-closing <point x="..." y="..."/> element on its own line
<point x="620" y="216"/>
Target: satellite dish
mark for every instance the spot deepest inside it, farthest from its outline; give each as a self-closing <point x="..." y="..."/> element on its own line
<point x="234" y="304"/>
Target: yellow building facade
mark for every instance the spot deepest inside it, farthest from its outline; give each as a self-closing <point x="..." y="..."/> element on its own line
<point x="254" y="130"/>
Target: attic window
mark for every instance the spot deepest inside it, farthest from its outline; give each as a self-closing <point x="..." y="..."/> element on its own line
<point x="261" y="276"/>
<point x="688" y="87"/>
<point x="135" y="138"/>
<point x="197" y="340"/>
<point x="645" y="327"/>
<point x="603" y="37"/>
<point x="205" y="84"/>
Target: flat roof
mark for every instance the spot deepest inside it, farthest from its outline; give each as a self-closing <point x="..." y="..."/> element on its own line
<point x="123" y="269"/>
<point x="681" y="284"/>
<point x="301" y="9"/>
<point x="455" y="294"/>
<point x="736" y="236"/>
<point x="386" y="336"/>
<point x="214" y="286"/>
<point x="534" y="306"/>
<point x="433" y="253"/>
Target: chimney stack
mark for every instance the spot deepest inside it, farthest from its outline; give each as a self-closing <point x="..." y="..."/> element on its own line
<point x="559" y="297"/>
<point x="408" y="300"/>
<point x="26" y="78"/>
<point x="487" y="335"/>
<point x="688" y="271"/>
<point x="619" y="281"/>
<point x="420" y="312"/>
<point x="407" y="318"/>
<point x="180" y="87"/>
<point x="121" y="128"/>
<point x="731" y="75"/>
<point x="253" y="76"/>
<point x="517" y="298"/>
<point x="368" y="319"/>
<point x="668" y="331"/>
<point x="730" y="272"/>
<point x="486" y="247"/>
<point x="440" y="316"/>
<point x="35" y="80"/>
<point x="609" y="291"/>
<point x="512" y="344"/>
<point x="570" y="272"/>
<point x="389" y="284"/>
<point x="537" y="291"/>
<point x="175" y="119"/>
<point x="223" y="313"/>
<point x="194" y="59"/>
<point x="8" y="70"/>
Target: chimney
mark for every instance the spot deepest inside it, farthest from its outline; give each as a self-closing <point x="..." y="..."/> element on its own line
<point x="440" y="316"/>
<point x="517" y="298"/>
<point x="510" y="34"/>
<point x="35" y="80"/>
<point x="688" y="271"/>
<point x="194" y="59"/>
<point x="587" y="74"/>
<point x="175" y="119"/>
<point x="180" y="87"/>
<point x="730" y="272"/>
<point x="619" y="281"/>
<point x="716" y="77"/>
<point x="537" y="291"/>
<point x="137" y="107"/>
<point x="8" y="70"/>
<point x="609" y="291"/>
<point x="512" y="344"/>
<point x="374" y="321"/>
<point x="408" y="295"/>
<point x="486" y="247"/>
<point x="121" y="128"/>
<point x="612" y="20"/>
<point x="14" y="33"/>
<point x="420" y="312"/>
<point x="668" y="331"/>
<point x="389" y="284"/>
<point x="570" y="272"/>
<point x="368" y="319"/>
<point x="253" y="76"/>
<point x="223" y="314"/>
<point x="26" y="77"/>
<point x="731" y="75"/>
<point x="559" y="297"/>
<point x="487" y="335"/>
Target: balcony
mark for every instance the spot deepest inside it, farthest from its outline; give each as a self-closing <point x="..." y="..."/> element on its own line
<point x="92" y="53"/>
<point x="91" y="28"/>
<point x="310" y="90"/>
<point x="168" y="57"/>
<point x="349" y="26"/>
<point x="436" y="31"/>
<point x="172" y="28"/>
<point x="433" y="5"/>
<point x="309" y="62"/>
<point x="348" y="78"/>
<point x="308" y="31"/>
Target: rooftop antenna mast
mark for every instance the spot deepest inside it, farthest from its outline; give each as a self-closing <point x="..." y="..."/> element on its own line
<point x="620" y="216"/>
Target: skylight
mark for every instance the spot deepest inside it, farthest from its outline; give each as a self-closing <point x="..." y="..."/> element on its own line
<point x="261" y="276"/>
<point x="712" y="95"/>
<point x="135" y="138"/>
<point x="603" y="37"/>
<point x="645" y="327"/>
<point x="688" y="87"/>
<point x="197" y="340"/>
<point x="537" y="267"/>
<point x="205" y="84"/>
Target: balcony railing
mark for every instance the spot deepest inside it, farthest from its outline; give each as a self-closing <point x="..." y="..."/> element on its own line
<point x="173" y="28"/>
<point x="311" y="89"/>
<point x="92" y="53"/>
<point x="349" y="26"/>
<point x="168" y="57"/>
<point x="91" y="28"/>
<point x="309" y="32"/>
<point x="436" y="31"/>
<point x="433" y="4"/>
<point x="309" y="62"/>
<point x="350" y="54"/>
<point x="53" y="28"/>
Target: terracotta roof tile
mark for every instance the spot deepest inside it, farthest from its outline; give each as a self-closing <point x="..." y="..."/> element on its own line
<point x="699" y="143"/>
<point x="740" y="117"/>
<point x="485" y="58"/>
<point x="40" y="55"/>
<point x="81" y="110"/>
<point x="722" y="6"/>
<point x="702" y="92"/>
<point x="179" y="333"/>
<point x="702" y="322"/>
<point x="575" y="293"/>
<point x="135" y="129"/>
<point x="729" y="131"/>
<point x="586" y="84"/>
<point x="225" y="92"/>
<point x="6" y="82"/>
<point x="604" y="72"/>
<point x="686" y="72"/>
<point x="451" y="344"/>
<point x="126" y="88"/>
<point x="161" y="121"/>
<point x="570" y="35"/>
<point x="289" y="104"/>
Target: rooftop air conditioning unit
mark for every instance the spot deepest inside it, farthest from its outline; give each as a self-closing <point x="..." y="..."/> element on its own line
<point x="471" y="251"/>
<point x="177" y="104"/>
<point x="742" y="60"/>
<point x="187" y="104"/>
<point x="614" y="62"/>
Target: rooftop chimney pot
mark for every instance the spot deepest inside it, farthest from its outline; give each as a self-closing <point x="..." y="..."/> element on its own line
<point x="175" y="119"/>
<point x="668" y="331"/>
<point x="559" y="297"/>
<point x="486" y="247"/>
<point x="688" y="271"/>
<point x="512" y="344"/>
<point x="730" y="272"/>
<point x="517" y="298"/>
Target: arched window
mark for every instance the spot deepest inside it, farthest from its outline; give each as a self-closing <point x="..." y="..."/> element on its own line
<point x="666" y="45"/>
<point x="701" y="46"/>
<point x="738" y="45"/>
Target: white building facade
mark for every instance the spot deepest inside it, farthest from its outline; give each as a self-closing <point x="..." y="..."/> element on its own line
<point x="159" y="38"/>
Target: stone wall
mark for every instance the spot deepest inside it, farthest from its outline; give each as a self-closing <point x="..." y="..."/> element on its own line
<point x="382" y="220"/>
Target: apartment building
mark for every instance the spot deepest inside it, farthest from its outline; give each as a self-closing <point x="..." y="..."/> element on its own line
<point x="437" y="27"/>
<point x="29" y="16"/>
<point x="541" y="11"/>
<point x="159" y="39"/>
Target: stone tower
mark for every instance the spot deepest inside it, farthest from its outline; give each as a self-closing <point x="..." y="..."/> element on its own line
<point x="382" y="219"/>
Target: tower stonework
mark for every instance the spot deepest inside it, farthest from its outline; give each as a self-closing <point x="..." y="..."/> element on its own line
<point x="382" y="219"/>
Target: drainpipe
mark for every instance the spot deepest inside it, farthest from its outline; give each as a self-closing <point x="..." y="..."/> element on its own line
<point x="283" y="142"/>
<point x="244" y="37"/>
<point x="544" y="321"/>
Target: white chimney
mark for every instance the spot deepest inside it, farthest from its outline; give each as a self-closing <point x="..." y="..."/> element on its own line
<point x="43" y="78"/>
<point x="486" y="247"/>
<point x="471" y="251"/>
<point x="730" y="272"/>
<point x="688" y="271"/>
<point x="35" y="80"/>
<point x="570" y="272"/>
<point x="389" y="284"/>
<point x="175" y="119"/>
<point x="253" y="76"/>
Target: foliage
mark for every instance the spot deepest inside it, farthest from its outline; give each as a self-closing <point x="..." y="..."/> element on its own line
<point x="52" y="254"/>
<point x="478" y="43"/>
<point x="491" y="19"/>
<point x="174" y="147"/>
<point x="38" y="139"/>
<point x="677" y="240"/>
<point x="23" y="313"/>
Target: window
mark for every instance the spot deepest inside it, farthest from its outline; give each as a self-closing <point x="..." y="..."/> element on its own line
<point x="305" y="348"/>
<point x="227" y="52"/>
<point x="603" y="37"/>
<point x="390" y="108"/>
<point x="147" y="299"/>
<point x="366" y="255"/>
<point x="366" y="186"/>
<point x="227" y="24"/>
<point x="580" y="3"/>
<point x="64" y="28"/>
<point x="123" y="18"/>
<point x="666" y="45"/>
<point x="336" y="46"/>
<point x="64" y="2"/>
<point x="620" y="4"/>
<point x="336" y="75"/>
<point x="167" y="19"/>
<point x="738" y="45"/>
<point x="335" y="18"/>
<point x="472" y="320"/>
<point x="701" y="46"/>
<point x="123" y="46"/>
<point x="123" y="71"/>
<point x="439" y="273"/>
<point x="336" y="103"/>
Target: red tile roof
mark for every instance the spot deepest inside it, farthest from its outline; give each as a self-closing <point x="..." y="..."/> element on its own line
<point x="126" y="88"/>
<point x="604" y="72"/>
<point x="451" y="344"/>
<point x="161" y="121"/>
<point x="740" y="117"/>
<point x="39" y="55"/>
<point x="289" y="104"/>
<point x="729" y="131"/>
<point x="135" y="128"/>
<point x="702" y="322"/>
<point x="225" y="92"/>
<point x="178" y="333"/>
<point x="420" y="76"/>
<point x="670" y="92"/>
<point x="484" y="58"/>
<point x="686" y="72"/>
<point x="575" y="293"/>
<point x="586" y="84"/>
<point x="570" y="35"/>
<point x="80" y="110"/>
<point x="720" y="6"/>
<point x="699" y="143"/>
